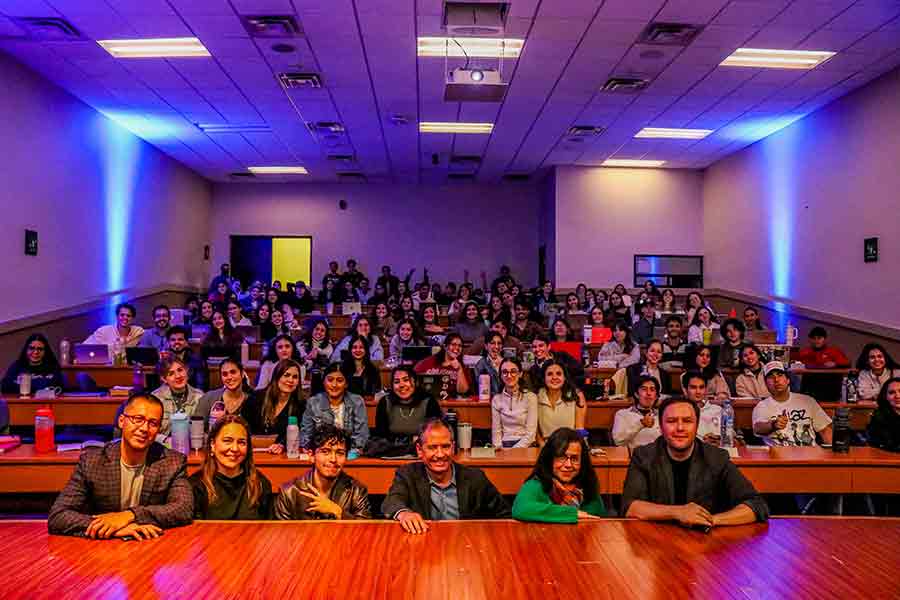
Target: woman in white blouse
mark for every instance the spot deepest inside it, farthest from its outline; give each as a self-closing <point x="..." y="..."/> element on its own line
<point x="875" y="366"/>
<point x="703" y="321"/>
<point x="514" y="411"/>
<point x="621" y="349"/>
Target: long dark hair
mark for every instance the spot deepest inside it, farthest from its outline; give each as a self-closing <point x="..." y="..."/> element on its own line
<point x="556" y="446"/>
<point x="569" y="392"/>
<point x="348" y="366"/>
<point x="272" y="354"/>
<point x="48" y="364"/>
<point x="308" y="341"/>
<point x="441" y="356"/>
<point x="416" y="339"/>
<point x="623" y="325"/>
<point x="208" y="467"/>
<point x="462" y="314"/>
<point x="862" y="363"/>
<point x="887" y="412"/>
<point x="295" y="405"/>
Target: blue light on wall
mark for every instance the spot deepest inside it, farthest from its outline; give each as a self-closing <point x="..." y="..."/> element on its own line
<point x="150" y="128"/>
<point x="121" y="158"/>
<point x="752" y="130"/>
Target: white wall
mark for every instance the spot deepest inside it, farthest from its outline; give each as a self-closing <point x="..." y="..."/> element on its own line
<point x="446" y="229"/>
<point x="605" y="216"/>
<point x="111" y="211"/>
<point x="786" y="217"/>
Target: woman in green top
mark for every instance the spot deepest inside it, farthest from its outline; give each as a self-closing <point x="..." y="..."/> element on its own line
<point x="563" y="486"/>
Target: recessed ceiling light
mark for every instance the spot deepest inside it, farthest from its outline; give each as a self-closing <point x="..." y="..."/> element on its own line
<point x="628" y="162"/>
<point x="776" y="59"/>
<point x="673" y="133"/>
<point x="155" y="48"/>
<point x="278" y="170"/>
<point x="438" y="127"/>
<point x="469" y="47"/>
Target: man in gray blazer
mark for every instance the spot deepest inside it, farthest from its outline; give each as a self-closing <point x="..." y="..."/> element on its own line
<point x="133" y="487"/>
<point x="680" y="478"/>
<point x="437" y="488"/>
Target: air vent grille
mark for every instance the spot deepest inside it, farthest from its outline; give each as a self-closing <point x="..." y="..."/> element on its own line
<point x="52" y="29"/>
<point x="242" y="175"/>
<point x="669" y="34"/>
<point x="271" y="26"/>
<point x="311" y="81"/>
<point x="584" y="131"/>
<point x="624" y="85"/>
<point x="327" y="127"/>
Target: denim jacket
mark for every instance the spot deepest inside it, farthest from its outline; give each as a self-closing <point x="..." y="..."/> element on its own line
<point x="318" y="410"/>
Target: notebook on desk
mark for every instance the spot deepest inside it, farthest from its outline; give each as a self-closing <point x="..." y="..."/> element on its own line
<point x="91" y="354"/>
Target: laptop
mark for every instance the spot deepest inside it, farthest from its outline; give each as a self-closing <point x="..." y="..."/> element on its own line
<point x="351" y="308"/>
<point x="199" y="331"/>
<point x="600" y="335"/>
<point x="573" y="349"/>
<point x="509" y="352"/>
<point x="141" y="356"/>
<point x="91" y="354"/>
<point x="250" y="333"/>
<point x="413" y="354"/>
<point x="177" y="316"/>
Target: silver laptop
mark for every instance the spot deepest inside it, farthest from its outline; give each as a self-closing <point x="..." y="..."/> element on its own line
<point x="91" y="354"/>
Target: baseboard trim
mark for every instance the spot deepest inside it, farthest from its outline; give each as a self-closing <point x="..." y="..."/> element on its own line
<point x="783" y="305"/>
<point x="91" y="304"/>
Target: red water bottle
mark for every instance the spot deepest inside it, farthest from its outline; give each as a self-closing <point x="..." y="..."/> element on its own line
<point x="44" y="424"/>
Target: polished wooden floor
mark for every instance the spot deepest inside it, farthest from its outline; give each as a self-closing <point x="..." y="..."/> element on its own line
<point x="788" y="558"/>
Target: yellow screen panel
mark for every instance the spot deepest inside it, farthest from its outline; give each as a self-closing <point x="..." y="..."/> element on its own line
<point x="291" y="259"/>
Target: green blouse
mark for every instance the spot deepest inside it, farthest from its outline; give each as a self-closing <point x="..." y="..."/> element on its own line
<point x="533" y="504"/>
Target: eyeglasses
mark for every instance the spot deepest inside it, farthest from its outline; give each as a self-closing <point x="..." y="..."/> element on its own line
<point x="574" y="460"/>
<point x="509" y="372"/>
<point x="139" y="420"/>
<point x="35" y="348"/>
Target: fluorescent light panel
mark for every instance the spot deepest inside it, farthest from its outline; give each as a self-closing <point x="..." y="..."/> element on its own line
<point x="776" y="59"/>
<point x="278" y="170"/>
<point x="473" y="47"/>
<point x="155" y="48"/>
<point x="228" y="128"/>
<point x="629" y="162"/>
<point x="675" y="134"/>
<point x="439" y="127"/>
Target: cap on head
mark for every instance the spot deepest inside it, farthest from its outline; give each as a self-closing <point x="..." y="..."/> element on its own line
<point x="773" y="366"/>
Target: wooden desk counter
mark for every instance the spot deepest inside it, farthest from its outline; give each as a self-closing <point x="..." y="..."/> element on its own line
<point x="606" y="558"/>
<point x="780" y="470"/>
<point x="107" y="376"/>
<point x="68" y="410"/>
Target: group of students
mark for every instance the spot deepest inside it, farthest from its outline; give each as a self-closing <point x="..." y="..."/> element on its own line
<point x="134" y="487"/>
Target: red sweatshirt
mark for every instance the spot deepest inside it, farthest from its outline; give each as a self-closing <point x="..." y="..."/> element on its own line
<point x="816" y="359"/>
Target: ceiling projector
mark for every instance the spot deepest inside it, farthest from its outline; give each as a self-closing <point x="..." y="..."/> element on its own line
<point x="474" y="85"/>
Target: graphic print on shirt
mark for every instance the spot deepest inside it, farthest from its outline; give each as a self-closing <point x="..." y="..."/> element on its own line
<point x="799" y="431"/>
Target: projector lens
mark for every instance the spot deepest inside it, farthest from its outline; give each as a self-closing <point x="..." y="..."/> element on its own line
<point x="477" y="75"/>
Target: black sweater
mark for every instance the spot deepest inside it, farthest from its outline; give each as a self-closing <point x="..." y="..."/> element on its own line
<point x="231" y="503"/>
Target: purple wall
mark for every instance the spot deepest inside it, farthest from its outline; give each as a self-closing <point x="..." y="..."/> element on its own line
<point x="111" y="211"/>
<point x="605" y="216"/>
<point x="786" y="217"/>
<point x="446" y="229"/>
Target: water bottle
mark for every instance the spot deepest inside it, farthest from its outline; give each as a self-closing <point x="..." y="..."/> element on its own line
<point x="118" y="352"/>
<point x="245" y="352"/>
<point x="852" y="390"/>
<point x="790" y="334"/>
<point x="137" y="379"/>
<point x="64" y="348"/>
<point x="196" y="433"/>
<point x="293" y="438"/>
<point x="181" y="433"/>
<point x="25" y="385"/>
<point x="727" y="425"/>
<point x="585" y="357"/>
<point x="586" y="332"/>
<point x="44" y="424"/>
<point x="452" y="419"/>
<point x="845" y="389"/>
<point x="484" y="387"/>
<point x="840" y="439"/>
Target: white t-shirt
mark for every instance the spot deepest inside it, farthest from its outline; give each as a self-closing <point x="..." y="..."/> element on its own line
<point x="805" y="418"/>
<point x="338" y="412"/>
<point x="710" y="420"/>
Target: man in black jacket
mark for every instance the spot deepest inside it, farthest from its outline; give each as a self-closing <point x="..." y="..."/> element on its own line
<point x="680" y="478"/>
<point x="437" y="488"/>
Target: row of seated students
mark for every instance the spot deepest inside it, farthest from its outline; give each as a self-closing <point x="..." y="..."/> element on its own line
<point x="135" y="487"/>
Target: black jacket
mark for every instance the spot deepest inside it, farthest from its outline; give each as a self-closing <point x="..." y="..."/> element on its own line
<point x="477" y="496"/>
<point x="347" y="492"/>
<point x="884" y="427"/>
<point x="714" y="482"/>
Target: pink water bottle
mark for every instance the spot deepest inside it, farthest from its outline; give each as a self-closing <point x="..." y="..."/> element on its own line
<point x="44" y="424"/>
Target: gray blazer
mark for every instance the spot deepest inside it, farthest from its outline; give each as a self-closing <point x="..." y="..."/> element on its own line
<point x="714" y="482"/>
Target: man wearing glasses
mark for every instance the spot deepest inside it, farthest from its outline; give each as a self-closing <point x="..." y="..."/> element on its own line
<point x="131" y="488"/>
<point x="325" y="491"/>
